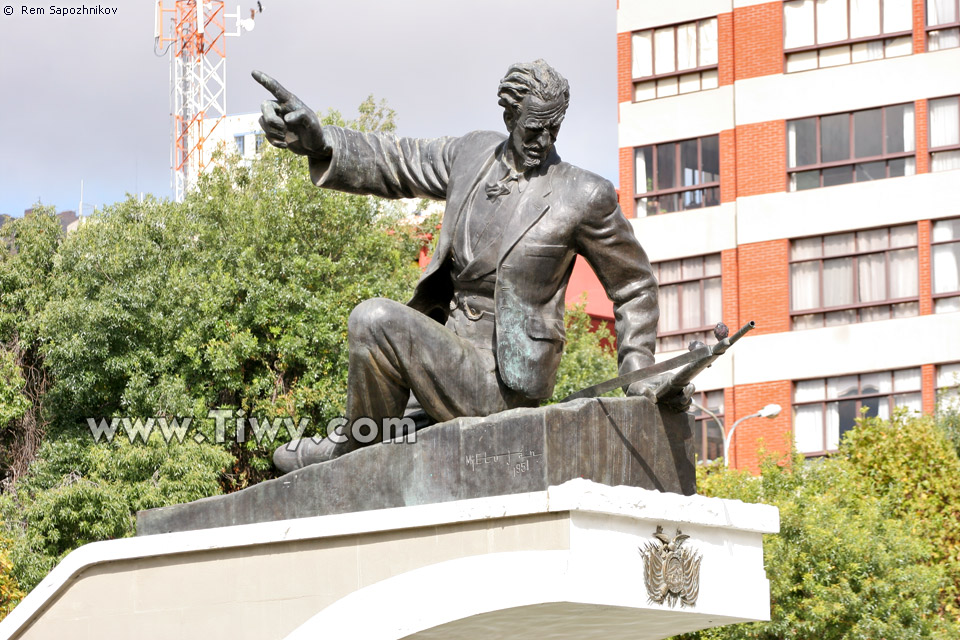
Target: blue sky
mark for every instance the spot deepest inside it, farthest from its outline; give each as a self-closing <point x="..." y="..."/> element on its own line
<point x="85" y="98"/>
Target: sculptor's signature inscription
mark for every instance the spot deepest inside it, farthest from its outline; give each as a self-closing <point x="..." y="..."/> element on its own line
<point x="519" y="460"/>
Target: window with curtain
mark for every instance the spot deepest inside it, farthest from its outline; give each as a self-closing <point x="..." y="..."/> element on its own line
<point x="858" y="276"/>
<point x="826" y="408"/>
<point x="948" y="387"/>
<point x="675" y="59"/>
<point x="943" y="24"/>
<point x="690" y="300"/>
<point x="238" y="141"/>
<point x="828" y="33"/>
<point x="945" y="256"/>
<point x="858" y="146"/>
<point x="944" y="125"/>
<point x="675" y="176"/>
<point x="707" y="434"/>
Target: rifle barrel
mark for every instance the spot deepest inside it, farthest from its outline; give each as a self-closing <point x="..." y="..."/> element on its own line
<point x="682" y="378"/>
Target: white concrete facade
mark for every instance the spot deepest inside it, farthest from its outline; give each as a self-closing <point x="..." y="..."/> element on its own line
<point x="232" y="132"/>
<point x="785" y="96"/>
<point x="689" y="115"/>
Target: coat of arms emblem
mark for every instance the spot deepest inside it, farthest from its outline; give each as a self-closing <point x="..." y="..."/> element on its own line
<point x="671" y="572"/>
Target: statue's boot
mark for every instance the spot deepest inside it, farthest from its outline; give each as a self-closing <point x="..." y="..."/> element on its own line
<point x="306" y="451"/>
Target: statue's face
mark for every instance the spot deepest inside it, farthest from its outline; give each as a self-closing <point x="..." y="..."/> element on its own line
<point x="534" y="130"/>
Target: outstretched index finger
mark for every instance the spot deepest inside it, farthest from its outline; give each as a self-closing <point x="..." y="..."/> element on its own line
<point x="274" y="87"/>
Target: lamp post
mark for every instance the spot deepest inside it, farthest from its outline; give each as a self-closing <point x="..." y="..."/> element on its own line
<point x="769" y="411"/>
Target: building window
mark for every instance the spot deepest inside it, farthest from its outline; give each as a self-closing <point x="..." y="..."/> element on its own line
<point x="824" y="151"/>
<point x="943" y="24"/>
<point x="259" y="142"/>
<point x="675" y="176"/>
<point x="945" y="252"/>
<point x="858" y="276"/>
<point x="677" y="59"/>
<point x="826" y="408"/>
<point x="707" y="434"/>
<point x="944" y="134"/>
<point x="690" y="300"/>
<point x="827" y="33"/>
<point x="948" y="387"/>
<point x="239" y="142"/>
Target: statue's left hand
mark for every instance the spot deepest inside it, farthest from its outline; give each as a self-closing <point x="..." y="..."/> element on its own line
<point x="677" y="402"/>
<point x="289" y="123"/>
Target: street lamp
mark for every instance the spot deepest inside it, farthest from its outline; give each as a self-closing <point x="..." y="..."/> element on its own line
<point x="769" y="411"/>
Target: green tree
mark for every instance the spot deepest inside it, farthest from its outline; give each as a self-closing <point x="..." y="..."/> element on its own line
<point x="10" y="592"/>
<point x="911" y="464"/>
<point x="76" y="493"/>
<point x="236" y="298"/>
<point x="13" y="401"/>
<point x="28" y="249"/>
<point x="587" y="357"/>
<point x="860" y="553"/>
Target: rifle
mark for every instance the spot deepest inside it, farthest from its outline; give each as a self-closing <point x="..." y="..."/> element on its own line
<point x="696" y="360"/>
<point x="675" y="383"/>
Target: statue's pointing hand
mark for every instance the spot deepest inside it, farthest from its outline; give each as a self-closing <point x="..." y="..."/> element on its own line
<point x="288" y="123"/>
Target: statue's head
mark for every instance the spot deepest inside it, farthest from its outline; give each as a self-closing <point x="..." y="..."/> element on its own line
<point x="534" y="98"/>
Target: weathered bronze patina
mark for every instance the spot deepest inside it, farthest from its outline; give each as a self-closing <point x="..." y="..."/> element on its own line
<point x="484" y="330"/>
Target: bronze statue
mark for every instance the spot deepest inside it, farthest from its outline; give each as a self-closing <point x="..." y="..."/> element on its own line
<point x="484" y="330"/>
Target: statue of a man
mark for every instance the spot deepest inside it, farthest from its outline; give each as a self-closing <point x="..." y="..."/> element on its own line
<point x="484" y="330"/>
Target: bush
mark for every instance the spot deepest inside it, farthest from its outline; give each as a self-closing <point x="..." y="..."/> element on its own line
<point x="910" y="464"/>
<point x="865" y="544"/>
<point x="587" y="356"/>
<point x="10" y="592"/>
<point x="237" y="298"/>
<point x="77" y="492"/>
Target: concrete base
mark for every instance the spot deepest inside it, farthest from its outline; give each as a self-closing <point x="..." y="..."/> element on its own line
<point x="614" y="441"/>
<point x="555" y="564"/>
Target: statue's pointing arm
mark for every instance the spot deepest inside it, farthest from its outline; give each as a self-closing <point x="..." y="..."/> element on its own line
<point x="378" y="164"/>
<point x="382" y="164"/>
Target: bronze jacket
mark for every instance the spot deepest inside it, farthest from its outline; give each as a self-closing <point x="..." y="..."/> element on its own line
<point x="563" y="211"/>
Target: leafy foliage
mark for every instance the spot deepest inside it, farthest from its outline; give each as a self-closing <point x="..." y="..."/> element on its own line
<point x="911" y="464"/>
<point x="948" y="414"/>
<point x="862" y="550"/>
<point x="13" y="402"/>
<point x="10" y="592"/>
<point x="237" y="298"/>
<point x="587" y="356"/>
<point x="75" y="493"/>
<point x="30" y="244"/>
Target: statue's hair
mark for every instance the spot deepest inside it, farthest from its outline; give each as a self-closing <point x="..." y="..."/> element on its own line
<point x="532" y="78"/>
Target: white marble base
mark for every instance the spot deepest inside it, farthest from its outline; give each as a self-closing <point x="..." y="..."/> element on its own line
<point x="561" y="563"/>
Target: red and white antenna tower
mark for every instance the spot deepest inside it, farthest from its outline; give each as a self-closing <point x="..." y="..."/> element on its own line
<point x="196" y="38"/>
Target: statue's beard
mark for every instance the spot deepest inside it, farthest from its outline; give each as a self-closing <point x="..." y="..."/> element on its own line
<point x="531" y="163"/>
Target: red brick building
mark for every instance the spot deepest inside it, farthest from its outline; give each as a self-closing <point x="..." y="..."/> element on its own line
<point x="798" y="164"/>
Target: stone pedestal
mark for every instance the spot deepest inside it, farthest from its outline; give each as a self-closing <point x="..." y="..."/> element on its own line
<point x="613" y="441"/>
<point x="558" y="564"/>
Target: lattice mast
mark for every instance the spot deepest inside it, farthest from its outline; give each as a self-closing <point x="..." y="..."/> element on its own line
<point x="196" y="38"/>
